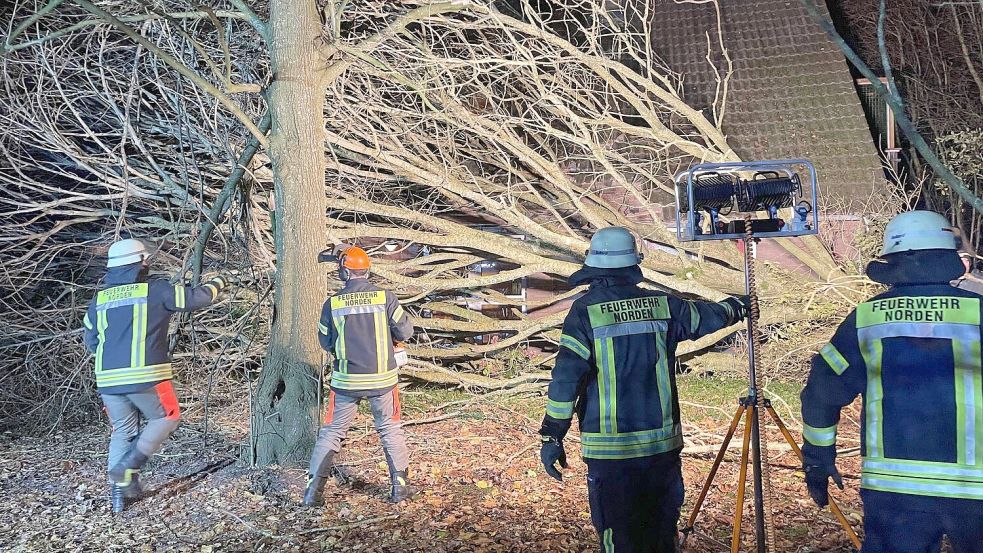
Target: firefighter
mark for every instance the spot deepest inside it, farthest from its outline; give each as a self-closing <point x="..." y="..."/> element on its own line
<point x="913" y="353"/>
<point x="126" y="327"/>
<point x="615" y="369"/>
<point x="359" y="327"/>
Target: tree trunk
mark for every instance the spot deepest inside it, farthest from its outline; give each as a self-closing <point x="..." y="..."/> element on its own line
<point x="285" y="407"/>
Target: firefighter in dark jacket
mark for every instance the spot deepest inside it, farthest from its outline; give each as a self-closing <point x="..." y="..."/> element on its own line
<point x="913" y="353"/>
<point x="126" y="327"/>
<point x="615" y="369"/>
<point x="359" y="327"/>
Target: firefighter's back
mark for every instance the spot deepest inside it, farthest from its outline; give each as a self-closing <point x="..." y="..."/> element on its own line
<point x="923" y="409"/>
<point x="630" y="408"/>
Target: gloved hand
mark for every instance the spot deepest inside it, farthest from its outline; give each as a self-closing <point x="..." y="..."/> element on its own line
<point x="741" y="306"/>
<point x="221" y="281"/>
<point x="550" y="453"/>
<point x="817" y="480"/>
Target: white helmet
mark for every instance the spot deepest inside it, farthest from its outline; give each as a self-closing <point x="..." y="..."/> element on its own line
<point x="126" y="252"/>
<point x="612" y="248"/>
<point x="918" y="230"/>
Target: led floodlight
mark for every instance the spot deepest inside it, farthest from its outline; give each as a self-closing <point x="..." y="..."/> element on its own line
<point x="758" y="187"/>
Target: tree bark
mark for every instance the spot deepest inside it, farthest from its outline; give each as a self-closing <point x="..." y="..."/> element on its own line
<point x="285" y="410"/>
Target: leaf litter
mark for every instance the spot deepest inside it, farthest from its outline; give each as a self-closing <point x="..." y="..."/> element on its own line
<point x="481" y="489"/>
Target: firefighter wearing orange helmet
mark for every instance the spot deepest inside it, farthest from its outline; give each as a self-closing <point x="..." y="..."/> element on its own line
<point x="359" y="326"/>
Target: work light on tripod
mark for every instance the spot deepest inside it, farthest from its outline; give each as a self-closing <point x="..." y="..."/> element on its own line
<point x="759" y="191"/>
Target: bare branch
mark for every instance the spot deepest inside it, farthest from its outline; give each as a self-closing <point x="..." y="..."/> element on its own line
<point x="255" y="20"/>
<point x="179" y="67"/>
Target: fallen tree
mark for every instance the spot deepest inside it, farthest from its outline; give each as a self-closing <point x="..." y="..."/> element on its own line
<point x="455" y="133"/>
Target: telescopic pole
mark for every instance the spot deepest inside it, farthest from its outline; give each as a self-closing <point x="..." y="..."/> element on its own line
<point x="754" y="400"/>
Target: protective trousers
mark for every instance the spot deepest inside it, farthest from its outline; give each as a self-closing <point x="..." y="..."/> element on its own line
<point x="159" y="408"/>
<point x="339" y="417"/>
<point x="901" y="523"/>
<point x="634" y="504"/>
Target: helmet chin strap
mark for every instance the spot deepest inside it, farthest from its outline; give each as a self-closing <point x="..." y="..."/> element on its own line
<point x="343" y="273"/>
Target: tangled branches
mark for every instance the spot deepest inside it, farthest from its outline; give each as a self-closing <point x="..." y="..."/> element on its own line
<point x="935" y="48"/>
<point x="937" y="51"/>
<point x="492" y="116"/>
<point x="102" y="140"/>
<point x="488" y="133"/>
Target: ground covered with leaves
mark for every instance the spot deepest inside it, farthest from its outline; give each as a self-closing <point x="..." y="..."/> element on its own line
<point x="482" y="487"/>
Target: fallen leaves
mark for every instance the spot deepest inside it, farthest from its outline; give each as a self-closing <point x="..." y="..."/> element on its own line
<point x="476" y="494"/>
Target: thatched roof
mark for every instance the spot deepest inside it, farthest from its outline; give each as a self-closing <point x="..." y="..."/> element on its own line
<point x="791" y="93"/>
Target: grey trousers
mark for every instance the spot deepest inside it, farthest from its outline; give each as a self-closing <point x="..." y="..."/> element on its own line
<point x="159" y="408"/>
<point x="338" y="419"/>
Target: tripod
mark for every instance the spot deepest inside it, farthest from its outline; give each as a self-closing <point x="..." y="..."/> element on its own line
<point x="750" y="408"/>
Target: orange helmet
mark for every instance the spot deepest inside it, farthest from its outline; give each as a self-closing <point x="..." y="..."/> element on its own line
<point x="356" y="259"/>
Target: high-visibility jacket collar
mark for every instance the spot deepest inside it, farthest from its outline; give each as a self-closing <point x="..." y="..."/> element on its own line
<point x="624" y="276"/>
<point x="127" y="274"/>
<point x="916" y="267"/>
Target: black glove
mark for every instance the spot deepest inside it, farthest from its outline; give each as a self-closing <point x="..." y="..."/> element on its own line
<point x="741" y="306"/>
<point x="550" y="453"/>
<point x="817" y="480"/>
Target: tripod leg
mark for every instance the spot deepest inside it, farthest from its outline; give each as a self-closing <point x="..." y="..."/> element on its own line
<point x="735" y="541"/>
<point x="713" y="470"/>
<point x="759" y="465"/>
<point x="833" y="507"/>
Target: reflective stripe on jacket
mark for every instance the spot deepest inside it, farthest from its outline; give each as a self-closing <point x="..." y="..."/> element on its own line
<point x="913" y="353"/>
<point x="615" y="367"/>
<point x="127" y="323"/>
<point x="358" y="327"/>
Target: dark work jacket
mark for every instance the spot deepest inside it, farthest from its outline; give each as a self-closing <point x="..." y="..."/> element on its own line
<point x="358" y="327"/>
<point x="127" y="323"/>
<point x="913" y="354"/>
<point x="615" y="367"/>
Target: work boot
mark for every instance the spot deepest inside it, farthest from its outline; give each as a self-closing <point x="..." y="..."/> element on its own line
<point x="125" y="477"/>
<point x="131" y="463"/>
<point x="134" y="490"/>
<point x="313" y="495"/>
<point x="401" y="489"/>
<point x="118" y="498"/>
<point x="123" y="495"/>
<point x="315" y="482"/>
